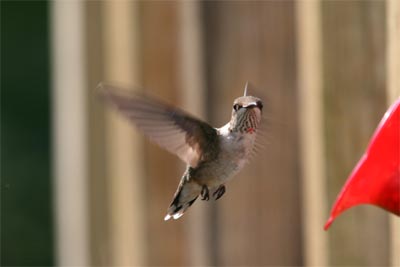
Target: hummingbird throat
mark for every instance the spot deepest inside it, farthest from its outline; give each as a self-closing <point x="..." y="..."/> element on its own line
<point x="250" y="130"/>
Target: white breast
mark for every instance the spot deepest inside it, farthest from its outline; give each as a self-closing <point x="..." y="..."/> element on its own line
<point x="235" y="152"/>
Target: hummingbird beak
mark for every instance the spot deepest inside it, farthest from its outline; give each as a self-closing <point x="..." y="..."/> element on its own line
<point x="245" y="88"/>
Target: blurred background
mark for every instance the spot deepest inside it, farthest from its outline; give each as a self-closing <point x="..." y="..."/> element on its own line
<point x="81" y="187"/>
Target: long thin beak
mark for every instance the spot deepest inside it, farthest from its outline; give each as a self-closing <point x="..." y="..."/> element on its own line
<point x="245" y="88"/>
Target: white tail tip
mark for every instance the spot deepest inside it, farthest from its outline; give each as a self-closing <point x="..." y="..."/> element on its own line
<point x="174" y="216"/>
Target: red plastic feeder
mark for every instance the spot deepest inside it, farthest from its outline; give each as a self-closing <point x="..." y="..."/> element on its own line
<point x="376" y="178"/>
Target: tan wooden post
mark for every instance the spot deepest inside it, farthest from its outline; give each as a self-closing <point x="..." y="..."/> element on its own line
<point x="393" y="93"/>
<point x="70" y="133"/>
<point x="125" y="170"/>
<point x="311" y="132"/>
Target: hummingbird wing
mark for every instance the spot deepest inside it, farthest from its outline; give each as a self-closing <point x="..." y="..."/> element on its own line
<point x="191" y="139"/>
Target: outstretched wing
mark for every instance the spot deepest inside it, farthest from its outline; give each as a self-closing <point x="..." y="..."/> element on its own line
<point x="191" y="139"/>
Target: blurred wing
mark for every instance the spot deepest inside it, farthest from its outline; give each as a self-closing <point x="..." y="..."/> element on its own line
<point x="169" y="127"/>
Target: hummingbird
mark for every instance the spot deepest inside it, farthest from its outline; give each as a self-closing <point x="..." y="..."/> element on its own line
<point x="212" y="155"/>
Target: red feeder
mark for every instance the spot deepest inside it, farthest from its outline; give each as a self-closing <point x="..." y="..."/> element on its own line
<point x="376" y="178"/>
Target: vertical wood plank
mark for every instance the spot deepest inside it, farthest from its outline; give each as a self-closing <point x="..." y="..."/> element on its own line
<point x="124" y="151"/>
<point x="160" y="56"/>
<point x="70" y="133"/>
<point x="393" y="49"/>
<point x="192" y="78"/>
<point x="354" y="101"/>
<point x="393" y="93"/>
<point x="311" y="132"/>
<point x="258" y="218"/>
<point x="100" y="245"/>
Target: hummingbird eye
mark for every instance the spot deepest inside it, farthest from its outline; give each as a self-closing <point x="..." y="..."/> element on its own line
<point x="236" y="107"/>
<point x="260" y="105"/>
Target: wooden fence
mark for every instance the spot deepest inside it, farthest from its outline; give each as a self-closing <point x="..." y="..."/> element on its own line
<point x="329" y="70"/>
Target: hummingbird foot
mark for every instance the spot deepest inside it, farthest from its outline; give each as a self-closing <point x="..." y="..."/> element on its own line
<point x="219" y="192"/>
<point x="205" y="193"/>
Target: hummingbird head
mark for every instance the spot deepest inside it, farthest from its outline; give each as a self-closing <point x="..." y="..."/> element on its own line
<point x="246" y="114"/>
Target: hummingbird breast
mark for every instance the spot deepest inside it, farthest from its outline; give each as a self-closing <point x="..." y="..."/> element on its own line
<point x="234" y="151"/>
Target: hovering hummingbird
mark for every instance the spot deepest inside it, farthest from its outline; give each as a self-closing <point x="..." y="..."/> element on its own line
<point x="213" y="155"/>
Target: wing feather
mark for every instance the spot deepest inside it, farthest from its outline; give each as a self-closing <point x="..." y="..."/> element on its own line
<point x="191" y="139"/>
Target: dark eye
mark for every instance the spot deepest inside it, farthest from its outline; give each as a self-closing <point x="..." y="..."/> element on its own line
<point x="260" y="105"/>
<point x="236" y="107"/>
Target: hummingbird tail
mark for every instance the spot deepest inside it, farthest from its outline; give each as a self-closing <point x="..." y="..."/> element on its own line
<point x="185" y="196"/>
